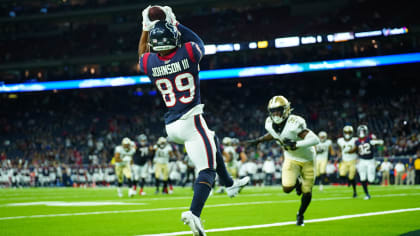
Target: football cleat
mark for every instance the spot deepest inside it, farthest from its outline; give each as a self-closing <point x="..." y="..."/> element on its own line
<point x="237" y="186"/>
<point x="131" y="192"/>
<point x="221" y="190"/>
<point x="299" y="220"/>
<point x="354" y="195"/>
<point x="367" y="197"/>
<point x="194" y="222"/>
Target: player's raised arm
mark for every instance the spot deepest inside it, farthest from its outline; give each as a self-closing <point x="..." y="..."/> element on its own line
<point x="187" y="35"/>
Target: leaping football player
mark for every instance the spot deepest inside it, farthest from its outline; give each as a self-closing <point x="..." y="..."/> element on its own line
<point x="298" y="143"/>
<point x="365" y="145"/>
<point x="173" y="68"/>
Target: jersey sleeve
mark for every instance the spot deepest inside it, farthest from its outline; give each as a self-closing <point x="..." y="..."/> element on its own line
<point x="300" y="124"/>
<point x="194" y="52"/>
<point x="143" y="62"/>
<point x="118" y="149"/>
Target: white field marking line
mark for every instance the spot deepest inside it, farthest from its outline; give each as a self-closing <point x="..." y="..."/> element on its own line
<point x="136" y="199"/>
<point x="289" y="222"/>
<point x="183" y="208"/>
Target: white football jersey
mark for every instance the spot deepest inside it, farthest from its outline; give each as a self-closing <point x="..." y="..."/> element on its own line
<point x="345" y="146"/>
<point x="294" y="126"/>
<point x="126" y="155"/>
<point x="233" y="154"/>
<point x="322" y="149"/>
<point x="162" y="154"/>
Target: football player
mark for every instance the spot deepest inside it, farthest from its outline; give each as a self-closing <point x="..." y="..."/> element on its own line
<point x="365" y="145"/>
<point x="123" y="157"/>
<point x="322" y="150"/>
<point x="348" y="159"/>
<point x="141" y="162"/>
<point x="163" y="152"/>
<point x="173" y="68"/>
<point x="298" y="143"/>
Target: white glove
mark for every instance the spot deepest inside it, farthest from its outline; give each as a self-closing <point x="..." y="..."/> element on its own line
<point x="170" y="16"/>
<point x="147" y="24"/>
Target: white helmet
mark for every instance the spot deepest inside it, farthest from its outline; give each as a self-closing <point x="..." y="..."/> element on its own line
<point x="161" y="141"/>
<point x="226" y="141"/>
<point x="322" y="136"/>
<point x="126" y="141"/>
<point x="348" y="131"/>
<point x="278" y="109"/>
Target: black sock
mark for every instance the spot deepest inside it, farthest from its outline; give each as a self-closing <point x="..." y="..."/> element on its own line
<point x="165" y="185"/>
<point x="353" y="183"/>
<point x="157" y="184"/>
<point x="364" y="184"/>
<point x="221" y="167"/>
<point x="306" y="199"/>
<point x="322" y="179"/>
<point x="142" y="183"/>
<point x="130" y="184"/>
<point x="135" y="183"/>
<point x="343" y="179"/>
<point x="202" y="188"/>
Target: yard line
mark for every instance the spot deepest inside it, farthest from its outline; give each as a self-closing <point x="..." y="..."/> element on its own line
<point x="289" y="222"/>
<point x="184" y="208"/>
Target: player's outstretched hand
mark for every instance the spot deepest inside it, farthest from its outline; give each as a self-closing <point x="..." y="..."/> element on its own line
<point x="289" y="144"/>
<point x="147" y="23"/>
<point x="170" y="16"/>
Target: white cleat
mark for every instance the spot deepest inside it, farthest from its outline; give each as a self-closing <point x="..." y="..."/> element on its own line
<point x="120" y="194"/>
<point x="131" y="192"/>
<point x="237" y="186"/>
<point x="194" y="222"/>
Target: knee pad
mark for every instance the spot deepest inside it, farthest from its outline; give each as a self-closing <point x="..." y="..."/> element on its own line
<point x="207" y="177"/>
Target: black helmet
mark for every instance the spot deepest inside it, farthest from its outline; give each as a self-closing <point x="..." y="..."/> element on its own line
<point x="163" y="36"/>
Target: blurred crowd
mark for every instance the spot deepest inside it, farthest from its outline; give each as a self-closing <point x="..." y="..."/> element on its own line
<point x="80" y="128"/>
<point x="75" y="48"/>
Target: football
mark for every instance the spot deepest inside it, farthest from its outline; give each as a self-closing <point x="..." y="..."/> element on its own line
<point x="156" y="13"/>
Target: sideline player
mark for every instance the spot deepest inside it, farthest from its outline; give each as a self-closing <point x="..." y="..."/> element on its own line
<point x="123" y="157"/>
<point x="322" y="150"/>
<point x="163" y="152"/>
<point x="173" y="68"/>
<point x="298" y="144"/>
<point x="365" y="145"/>
<point x="141" y="162"/>
<point x="348" y="163"/>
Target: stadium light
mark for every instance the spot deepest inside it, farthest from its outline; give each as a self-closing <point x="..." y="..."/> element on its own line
<point x="221" y="73"/>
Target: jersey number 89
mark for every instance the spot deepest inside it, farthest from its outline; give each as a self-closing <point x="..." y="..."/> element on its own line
<point x="183" y="82"/>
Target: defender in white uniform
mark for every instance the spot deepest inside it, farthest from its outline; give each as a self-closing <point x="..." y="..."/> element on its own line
<point x="298" y="144"/>
<point x="163" y="152"/>
<point x="347" y="167"/>
<point x="123" y="159"/>
<point x="323" y="148"/>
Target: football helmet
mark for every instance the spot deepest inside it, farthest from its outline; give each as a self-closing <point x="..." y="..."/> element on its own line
<point x="226" y="141"/>
<point x="126" y="142"/>
<point x="322" y="136"/>
<point x="348" y="132"/>
<point x="142" y="138"/>
<point x="164" y="36"/>
<point x="362" y="131"/>
<point x="279" y="109"/>
<point x="161" y="142"/>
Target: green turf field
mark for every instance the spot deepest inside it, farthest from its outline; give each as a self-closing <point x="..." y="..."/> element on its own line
<point x="47" y="211"/>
